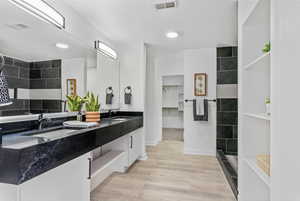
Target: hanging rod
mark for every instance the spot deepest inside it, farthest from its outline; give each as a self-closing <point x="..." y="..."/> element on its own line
<point x="191" y="100"/>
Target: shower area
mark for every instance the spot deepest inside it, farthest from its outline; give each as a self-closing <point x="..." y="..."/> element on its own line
<point x="227" y="113"/>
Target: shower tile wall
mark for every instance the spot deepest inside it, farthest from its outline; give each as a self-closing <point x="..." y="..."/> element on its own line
<point x="31" y="75"/>
<point x="227" y="110"/>
<point x="45" y="75"/>
<point x="17" y="75"/>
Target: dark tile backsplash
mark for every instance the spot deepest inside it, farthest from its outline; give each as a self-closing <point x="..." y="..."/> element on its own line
<point x="32" y="75"/>
<point x="227" y="109"/>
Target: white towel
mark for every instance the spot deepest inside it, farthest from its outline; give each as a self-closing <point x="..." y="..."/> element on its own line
<point x="79" y="124"/>
<point x="199" y="106"/>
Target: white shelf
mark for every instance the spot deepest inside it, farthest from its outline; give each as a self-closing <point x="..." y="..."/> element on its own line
<point x="259" y="116"/>
<point x="259" y="59"/>
<point x="105" y="161"/>
<point x="251" y="162"/>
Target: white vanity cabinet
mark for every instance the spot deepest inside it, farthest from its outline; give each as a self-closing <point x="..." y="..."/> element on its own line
<point x="68" y="182"/>
<point x="135" y="146"/>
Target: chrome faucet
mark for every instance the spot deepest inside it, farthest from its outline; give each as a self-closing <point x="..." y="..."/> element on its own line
<point x="42" y="120"/>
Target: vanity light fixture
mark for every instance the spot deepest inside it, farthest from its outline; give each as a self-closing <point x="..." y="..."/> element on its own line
<point x="62" y="45"/>
<point x="4" y="93"/>
<point x="41" y="10"/>
<point x="106" y="50"/>
<point x="172" y="34"/>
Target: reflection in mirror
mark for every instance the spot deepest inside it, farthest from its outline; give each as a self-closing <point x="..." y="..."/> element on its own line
<point x="104" y="80"/>
<point x="37" y="66"/>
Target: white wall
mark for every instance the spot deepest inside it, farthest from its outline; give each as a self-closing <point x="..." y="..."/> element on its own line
<point x="285" y="98"/>
<point x="200" y="136"/>
<point x="132" y="73"/>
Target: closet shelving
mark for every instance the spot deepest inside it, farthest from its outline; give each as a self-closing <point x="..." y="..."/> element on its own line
<point x="255" y="87"/>
<point x="172" y="101"/>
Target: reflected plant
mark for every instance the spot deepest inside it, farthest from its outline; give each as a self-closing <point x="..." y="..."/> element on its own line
<point x="75" y="103"/>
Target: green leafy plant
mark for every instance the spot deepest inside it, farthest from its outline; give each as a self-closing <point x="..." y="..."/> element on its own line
<point x="267" y="47"/>
<point x="267" y="101"/>
<point x="92" y="103"/>
<point x="75" y="103"/>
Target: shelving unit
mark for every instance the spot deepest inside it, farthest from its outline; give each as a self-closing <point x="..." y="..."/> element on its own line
<point x="172" y="106"/>
<point x="255" y="87"/>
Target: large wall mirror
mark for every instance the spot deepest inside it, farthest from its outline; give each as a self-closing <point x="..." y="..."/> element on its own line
<point x="43" y="64"/>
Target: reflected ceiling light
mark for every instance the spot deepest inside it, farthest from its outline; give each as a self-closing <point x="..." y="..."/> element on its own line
<point x="172" y="34"/>
<point x="106" y="50"/>
<point x="62" y="45"/>
<point x="42" y="10"/>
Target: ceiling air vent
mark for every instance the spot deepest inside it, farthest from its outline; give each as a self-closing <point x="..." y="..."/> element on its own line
<point x="17" y="26"/>
<point x="165" y="4"/>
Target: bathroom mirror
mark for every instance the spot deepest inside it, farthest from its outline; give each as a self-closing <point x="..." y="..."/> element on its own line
<point x="104" y="80"/>
<point x="40" y="59"/>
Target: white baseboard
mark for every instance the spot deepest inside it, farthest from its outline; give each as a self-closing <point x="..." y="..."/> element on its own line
<point x="198" y="152"/>
<point x="143" y="158"/>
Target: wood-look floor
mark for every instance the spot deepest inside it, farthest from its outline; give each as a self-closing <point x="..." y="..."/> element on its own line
<point x="167" y="175"/>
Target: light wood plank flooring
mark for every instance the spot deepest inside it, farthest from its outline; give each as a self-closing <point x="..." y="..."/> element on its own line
<point x="167" y="175"/>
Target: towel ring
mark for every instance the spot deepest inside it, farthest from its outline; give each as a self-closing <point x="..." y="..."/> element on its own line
<point x="109" y="90"/>
<point x="128" y="90"/>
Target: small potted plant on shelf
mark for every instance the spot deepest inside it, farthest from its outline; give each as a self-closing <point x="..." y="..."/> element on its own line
<point x="268" y="109"/>
<point x="92" y="107"/>
<point x="75" y="104"/>
<point x="267" y="47"/>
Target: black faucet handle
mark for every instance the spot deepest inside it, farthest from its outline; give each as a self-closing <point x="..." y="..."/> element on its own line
<point x="40" y="117"/>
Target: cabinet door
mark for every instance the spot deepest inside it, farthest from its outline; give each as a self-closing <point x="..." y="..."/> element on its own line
<point x="68" y="182"/>
<point x="135" y="146"/>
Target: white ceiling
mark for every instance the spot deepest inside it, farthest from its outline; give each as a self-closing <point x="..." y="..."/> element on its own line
<point x="201" y="23"/>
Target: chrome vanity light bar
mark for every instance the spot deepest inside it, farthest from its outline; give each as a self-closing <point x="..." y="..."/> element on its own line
<point x="41" y="10"/>
<point x="106" y="50"/>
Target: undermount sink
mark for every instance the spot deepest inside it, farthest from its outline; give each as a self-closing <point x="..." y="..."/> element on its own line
<point x="52" y="134"/>
<point x="55" y="134"/>
<point x="21" y="142"/>
<point x="34" y="137"/>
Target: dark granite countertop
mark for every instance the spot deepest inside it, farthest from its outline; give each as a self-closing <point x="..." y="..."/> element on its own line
<point x="21" y="161"/>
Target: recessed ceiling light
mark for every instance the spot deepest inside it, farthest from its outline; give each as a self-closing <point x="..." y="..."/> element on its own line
<point x="62" y="45"/>
<point x="172" y="34"/>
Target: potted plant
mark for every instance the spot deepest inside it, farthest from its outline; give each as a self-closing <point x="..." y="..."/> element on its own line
<point x="75" y="104"/>
<point x="267" y="47"/>
<point x="92" y="107"/>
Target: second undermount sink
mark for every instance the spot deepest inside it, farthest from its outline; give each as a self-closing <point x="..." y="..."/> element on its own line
<point x="119" y="119"/>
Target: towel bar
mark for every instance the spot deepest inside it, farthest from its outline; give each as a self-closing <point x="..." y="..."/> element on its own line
<point x="191" y="100"/>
